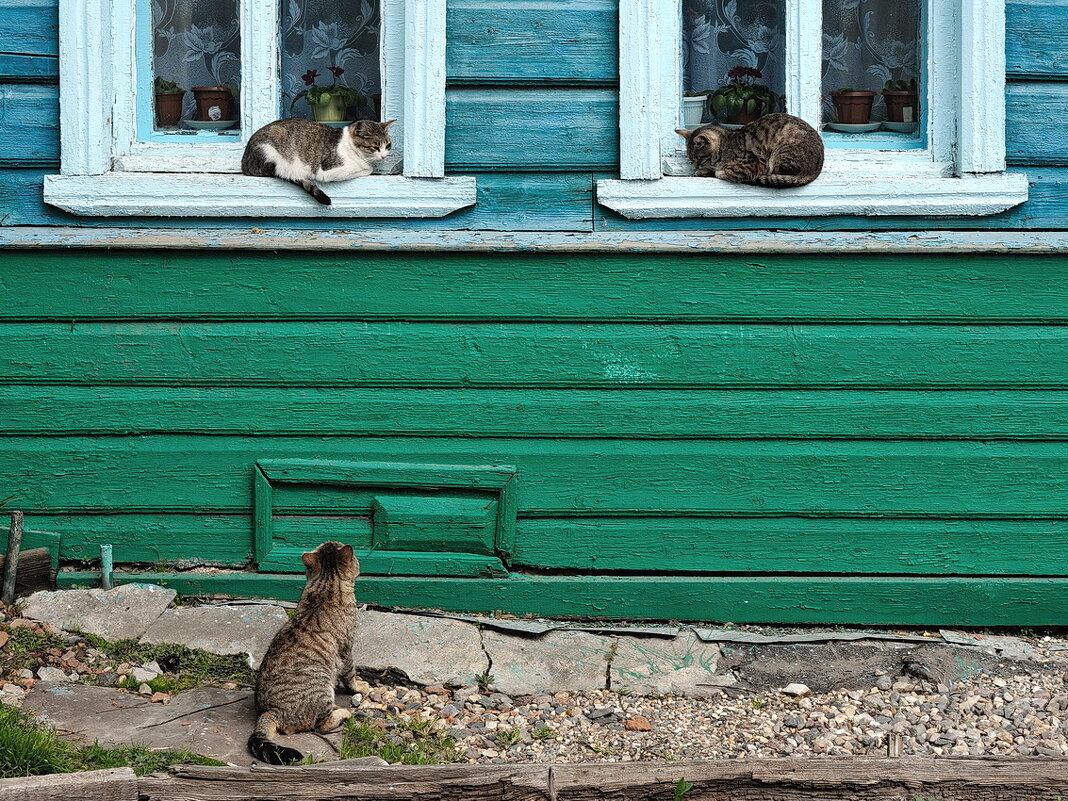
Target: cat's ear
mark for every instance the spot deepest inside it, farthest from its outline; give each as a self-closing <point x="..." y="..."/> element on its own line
<point x="348" y="556"/>
<point x="684" y="133"/>
<point x="386" y="124"/>
<point x="310" y="559"/>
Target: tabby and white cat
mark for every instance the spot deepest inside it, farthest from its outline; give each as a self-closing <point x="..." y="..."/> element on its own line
<point x="777" y="150"/>
<point x="308" y="657"/>
<point x="304" y="152"/>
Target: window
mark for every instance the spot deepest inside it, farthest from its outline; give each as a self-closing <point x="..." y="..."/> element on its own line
<point x="951" y="163"/>
<point x="118" y="159"/>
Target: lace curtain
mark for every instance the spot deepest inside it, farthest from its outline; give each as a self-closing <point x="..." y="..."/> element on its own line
<point x="196" y="43"/>
<point x="318" y="34"/>
<point x="865" y="43"/>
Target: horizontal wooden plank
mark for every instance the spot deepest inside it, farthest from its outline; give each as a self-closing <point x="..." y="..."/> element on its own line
<point x="1036" y="38"/>
<point x="536" y="355"/>
<point x="556" y="129"/>
<point x="614" y="545"/>
<point x="533" y="41"/>
<point x="865" y="600"/>
<point x="681" y="414"/>
<point x="203" y="285"/>
<point x="21" y="203"/>
<point x="30" y="27"/>
<point x="115" y="784"/>
<point x="578" y="478"/>
<point x="29" y="124"/>
<point x="1029" y="108"/>
<point x="794" y="545"/>
<point x="19" y="68"/>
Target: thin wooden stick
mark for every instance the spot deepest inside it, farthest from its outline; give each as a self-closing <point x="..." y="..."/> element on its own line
<point x="11" y="563"/>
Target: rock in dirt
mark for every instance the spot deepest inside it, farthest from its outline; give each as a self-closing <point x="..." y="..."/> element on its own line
<point x="796" y="690"/>
<point x="121" y="613"/>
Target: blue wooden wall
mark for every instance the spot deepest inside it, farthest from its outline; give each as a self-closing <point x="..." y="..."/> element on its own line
<point x="532" y="112"/>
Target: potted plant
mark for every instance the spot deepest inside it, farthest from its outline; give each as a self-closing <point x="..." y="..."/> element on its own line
<point x="852" y="106"/>
<point x="693" y="108"/>
<point x="169" y="97"/>
<point x="214" y="103"/>
<point x="901" y="101"/>
<point x="743" y="100"/>
<point x="328" y="103"/>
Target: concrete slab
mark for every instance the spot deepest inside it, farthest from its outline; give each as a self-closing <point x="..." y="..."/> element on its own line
<point x="121" y="613"/>
<point x="208" y="721"/>
<point x="428" y="650"/>
<point x="683" y="666"/>
<point x="220" y="629"/>
<point x="559" y="660"/>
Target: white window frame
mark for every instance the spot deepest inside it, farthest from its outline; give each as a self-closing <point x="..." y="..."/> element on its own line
<point x="105" y="170"/>
<point x="961" y="172"/>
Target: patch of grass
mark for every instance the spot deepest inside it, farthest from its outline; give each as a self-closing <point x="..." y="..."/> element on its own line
<point x="506" y="738"/>
<point x="543" y="733"/>
<point x="29" y="749"/>
<point x="160" y="684"/>
<point x="190" y="666"/>
<point x="757" y="703"/>
<point x="23" y="644"/>
<point x="409" y="742"/>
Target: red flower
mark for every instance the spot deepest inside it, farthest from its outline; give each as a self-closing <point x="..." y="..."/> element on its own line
<point x="744" y="72"/>
<point x="309" y="77"/>
<point x="338" y="71"/>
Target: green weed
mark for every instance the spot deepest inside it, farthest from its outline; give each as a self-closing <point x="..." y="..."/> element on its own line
<point x="543" y="733"/>
<point x="408" y="742"/>
<point x="506" y="738"/>
<point x="681" y="788"/>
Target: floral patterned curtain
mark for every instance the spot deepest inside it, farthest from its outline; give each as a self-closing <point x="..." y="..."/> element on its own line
<point x="196" y="43"/>
<point x="319" y="34"/>
<point x="867" y="43"/>
<point x="721" y="34"/>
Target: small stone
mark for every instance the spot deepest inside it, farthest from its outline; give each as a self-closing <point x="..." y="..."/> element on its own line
<point x="25" y="673"/>
<point x="51" y="674"/>
<point x="13" y="692"/>
<point x="160" y="698"/>
<point x="144" y="674"/>
<point x="144" y="689"/>
<point x="638" y="724"/>
<point x="796" y="690"/>
<point x="107" y="679"/>
<point x="4" y="637"/>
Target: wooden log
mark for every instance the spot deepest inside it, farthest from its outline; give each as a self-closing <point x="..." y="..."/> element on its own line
<point x="116" y="784"/>
<point x="396" y="783"/>
<point x="34" y="571"/>
<point x="11" y="564"/>
<point x="810" y="779"/>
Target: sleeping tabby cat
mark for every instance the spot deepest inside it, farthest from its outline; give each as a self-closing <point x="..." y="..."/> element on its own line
<point x="303" y="152"/>
<point x="308" y="657"/>
<point x="777" y="150"/>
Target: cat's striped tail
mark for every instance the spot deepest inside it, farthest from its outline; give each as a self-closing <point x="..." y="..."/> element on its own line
<point x="783" y="181"/>
<point x="263" y="746"/>
<point x="314" y="191"/>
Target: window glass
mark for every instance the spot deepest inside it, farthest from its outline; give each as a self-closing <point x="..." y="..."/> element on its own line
<point x="331" y="43"/>
<point x="867" y="43"/>
<point x="196" y="44"/>
<point x="721" y="36"/>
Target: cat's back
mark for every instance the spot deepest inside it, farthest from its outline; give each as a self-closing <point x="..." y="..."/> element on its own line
<point x="292" y="139"/>
<point x="773" y="131"/>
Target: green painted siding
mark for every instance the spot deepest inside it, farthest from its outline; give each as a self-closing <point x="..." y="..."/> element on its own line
<point x="763" y="437"/>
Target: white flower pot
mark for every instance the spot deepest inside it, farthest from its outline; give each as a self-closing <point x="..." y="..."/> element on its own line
<point x="693" y="110"/>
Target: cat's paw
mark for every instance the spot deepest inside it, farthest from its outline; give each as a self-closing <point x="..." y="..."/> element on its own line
<point x="706" y="172"/>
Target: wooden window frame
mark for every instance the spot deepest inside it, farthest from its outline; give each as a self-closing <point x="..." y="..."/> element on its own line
<point x="961" y="171"/>
<point x="106" y="170"/>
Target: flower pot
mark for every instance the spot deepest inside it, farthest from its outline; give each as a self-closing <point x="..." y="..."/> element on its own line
<point x="214" y="103"/>
<point x="743" y="118"/>
<point x="693" y="110"/>
<point x="901" y="106"/>
<point x="331" y="111"/>
<point x="853" y="108"/>
<point x="169" y="109"/>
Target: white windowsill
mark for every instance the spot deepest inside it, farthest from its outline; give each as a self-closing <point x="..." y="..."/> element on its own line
<point x="229" y="195"/>
<point x="856" y="193"/>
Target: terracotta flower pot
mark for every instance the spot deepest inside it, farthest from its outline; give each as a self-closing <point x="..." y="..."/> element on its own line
<point x="169" y="109"/>
<point x="853" y="108"/>
<point x="214" y="103"/>
<point x="331" y="111"/>
<point x="901" y="106"/>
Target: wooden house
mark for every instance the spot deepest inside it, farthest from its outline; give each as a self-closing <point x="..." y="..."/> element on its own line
<point x="536" y="365"/>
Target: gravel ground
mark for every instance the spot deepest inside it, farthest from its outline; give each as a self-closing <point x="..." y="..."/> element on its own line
<point x="988" y="715"/>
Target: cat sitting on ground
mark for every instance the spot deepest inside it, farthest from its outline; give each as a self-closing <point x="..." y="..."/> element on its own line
<point x="308" y="657"/>
<point x="304" y="152"/>
<point x="776" y="150"/>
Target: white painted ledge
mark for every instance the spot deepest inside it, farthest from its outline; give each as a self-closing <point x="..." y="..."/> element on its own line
<point x="867" y="196"/>
<point x="221" y="195"/>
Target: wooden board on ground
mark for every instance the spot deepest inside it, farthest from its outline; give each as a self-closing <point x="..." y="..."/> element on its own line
<point x="810" y="779"/>
<point x="116" y="784"/>
<point x="34" y="571"/>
